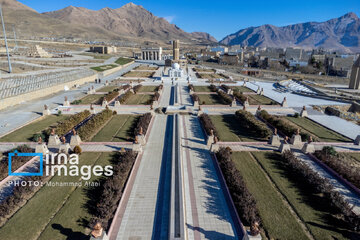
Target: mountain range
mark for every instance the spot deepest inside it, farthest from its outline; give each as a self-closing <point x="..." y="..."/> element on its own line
<point x="130" y="22"/>
<point x="136" y="24"/>
<point x="341" y="33"/>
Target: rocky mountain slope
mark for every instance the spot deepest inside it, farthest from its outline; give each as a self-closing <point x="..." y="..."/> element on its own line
<point x="130" y="22"/>
<point x="341" y="33"/>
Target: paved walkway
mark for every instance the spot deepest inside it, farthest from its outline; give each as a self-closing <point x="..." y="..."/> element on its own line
<point x="19" y="115"/>
<point x="142" y="210"/>
<point x="207" y="213"/>
<point x="352" y="198"/>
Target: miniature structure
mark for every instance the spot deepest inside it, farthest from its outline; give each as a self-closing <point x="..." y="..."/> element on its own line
<point x="151" y="53"/>
<point x="38" y="52"/>
<point x="355" y="75"/>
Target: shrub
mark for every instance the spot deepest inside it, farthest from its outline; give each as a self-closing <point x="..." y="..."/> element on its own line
<point x="143" y="123"/>
<point x="340" y="164"/>
<point x="296" y="115"/>
<point x="284" y="126"/>
<point x="213" y="88"/>
<point x="36" y="136"/>
<point x="77" y="150"/>
<point x="69" y="123"/>
<point x="87" y="130"/>
<point x="226" y="87"/>
<point x="59" y="113"/>
<point x="244" y="201"/>
<point x="137" y="88"/>
<point x="76" y="102"/>
<point x="208" y="125"/>
<point x="110" y="96"/>
<point x="125" y="96"/>
<point x="16" y="162"/>
<point x="225" y="98"/>
<point x="112" y="189"/>
<point x="195" y="97"/>
<point x="239" y="96"/>
<point x="249" y="121"/>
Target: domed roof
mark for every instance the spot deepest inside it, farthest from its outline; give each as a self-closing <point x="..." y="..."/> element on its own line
<point x="176" y="66"/>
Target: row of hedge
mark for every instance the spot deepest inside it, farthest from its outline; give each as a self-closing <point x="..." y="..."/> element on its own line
<point x="239" y="96"/>
<point x="137" y="88"/>
<point x="111" y="95"/>
<point x="244" y="201"/>
<point x="339" y="164"/>
<point x="224" y="97"/>
<point x="87" y="130"/>
<point x="143" y="122"/>
<point x="284" y="126"/>
<point x="249" y="122"/>
<point x="213" y="88"/>
<point x="69" y="123"/>
<point x="226" y="87"/>
<point x="112" y="189"/>
<point x="195" y="97"/>
<point x="208" y="125"/>
<point x="16" y="162"/>
<point x="125" y="96"/>
<point x="321" y="185"/>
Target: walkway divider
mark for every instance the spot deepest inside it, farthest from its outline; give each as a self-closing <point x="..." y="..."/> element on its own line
<point x="177" y="221"/>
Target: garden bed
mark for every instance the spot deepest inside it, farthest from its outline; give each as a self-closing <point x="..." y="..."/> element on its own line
<point x="139" y="74"/>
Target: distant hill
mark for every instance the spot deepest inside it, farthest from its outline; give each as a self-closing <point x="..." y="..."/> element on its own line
<point x="130" y="22"/>
<point x="341" y="33"/>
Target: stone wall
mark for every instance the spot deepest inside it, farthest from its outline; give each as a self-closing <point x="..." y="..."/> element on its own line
<point x="11" y="101"/>
<point x="111" y="71"/>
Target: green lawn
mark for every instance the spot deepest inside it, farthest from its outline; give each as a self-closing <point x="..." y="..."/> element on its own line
<point x="92" y="98"/>
<point x="25" y="133"/>
<point x="260" y="100"/>
<point x="119" y="129"/>
<point x="230" y="130"/>
<point x="138" y="99"/>
<point x="313" y="209"/>
<point x="276" y="217"/>
<point x="321" y="132"/>
<point x="243" y="89"/>
<point x="210" y="99"/>
<point x="71" y="220"/>
<point x="107" y="89"/>
<point x="202" y="89"/>
<point x="147" y="88"/>
<point x="354" y="156"/>
<point x="104" y="67"/>
<point x="32" y="218"/>
<point x="123" y="61"/>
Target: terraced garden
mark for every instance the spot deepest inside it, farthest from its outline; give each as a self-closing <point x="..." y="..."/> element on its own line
<point x="139" y="74"/>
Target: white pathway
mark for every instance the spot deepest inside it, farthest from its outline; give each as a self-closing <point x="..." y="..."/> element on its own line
<point x="138" y="219"/>
<point x="207" y="213"/>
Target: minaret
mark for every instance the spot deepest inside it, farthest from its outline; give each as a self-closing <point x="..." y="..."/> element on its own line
<point x="176" y="51"/>
<point x="355" y="75"/>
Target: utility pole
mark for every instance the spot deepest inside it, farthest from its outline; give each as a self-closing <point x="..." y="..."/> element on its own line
<point x="16" y="46"/>
<point x="6" y="45"/>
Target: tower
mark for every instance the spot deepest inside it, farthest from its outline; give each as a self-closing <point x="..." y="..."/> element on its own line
<point x="176" y="51"/>
<point x="355" y="75"/>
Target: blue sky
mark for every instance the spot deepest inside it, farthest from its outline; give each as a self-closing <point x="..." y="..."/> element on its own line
<point x="220" y="18"/>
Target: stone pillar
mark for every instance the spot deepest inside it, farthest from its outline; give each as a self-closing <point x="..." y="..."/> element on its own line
<point x="75" y="140"/>
<point x="258" y="111"/>
<point x="258" y="90"/>
<point x="246" y="103"/>
<point x="66" y="102"/>
<point x="196" y="104"/>
<point x="41" y="148"/>
<point x="284" y="147"/>
<point x="233" y="103"/>
<point x="284" y="103"/>
<point x="104" y="103"/>
<point x="275" y="139"/>
<point x="54" y="141"/>
<point x="296" y="139"/>
<point x="308" y="148"/>
<point x="117" y="104"/>
<point x="303" y="112"/>
<point x="46" y="111"/>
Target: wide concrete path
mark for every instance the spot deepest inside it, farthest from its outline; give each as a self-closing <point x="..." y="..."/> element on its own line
<point x="142" y="209"/>
<point x="207" y="212"/>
